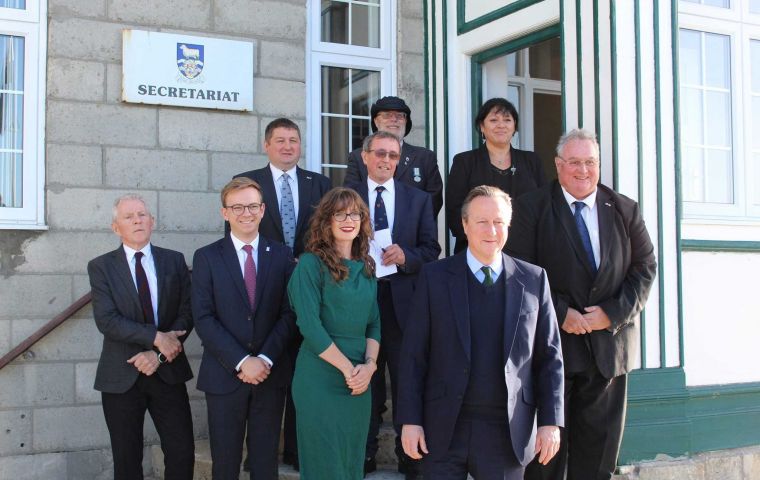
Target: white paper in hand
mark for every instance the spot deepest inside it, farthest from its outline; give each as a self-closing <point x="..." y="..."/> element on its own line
<point x="376" y="245"/>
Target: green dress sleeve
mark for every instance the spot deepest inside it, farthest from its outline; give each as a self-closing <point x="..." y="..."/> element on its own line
<point x="305" y="291"/>
<point x="373" y="327"/>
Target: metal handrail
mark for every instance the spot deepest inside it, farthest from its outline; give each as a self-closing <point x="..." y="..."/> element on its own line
<point x="45" y="329"/>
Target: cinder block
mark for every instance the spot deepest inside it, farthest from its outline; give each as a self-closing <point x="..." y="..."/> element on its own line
<point x="123" y="125"/>
<point x="193" y="347"/>
<point x="279" y="98"/>
<point x="113" y="83"/>
<point x="723" y="466"/>
<point x="200" y="418"/>
<point x="176" y="13"/>
<point x="76" y="79"/>
<point x="200" y="130"/>
<point x="5" y="336"/>
<point x="70" y="428"/>
<point x="34" y="296"/>
<point x="411" y="37"/>
<point x="159" y="169"/>
<point x="411" y="9"/>
<point x="15" y="434"/>
<point x="85" y="39"/>
<point x="81" y="286"/>
<point x="90" y="464"/>
<point x="226" y="165"/>
<point x="186" y="243"/>
<point x="261" y="18"/>
<point x="672" y="470"/>
<point x="74" y="165"/>
<point x="190" y="212"/>
<point x="283" y="60"/>
<point x="83" y="8"/>
<point x="44" y="253"/>
<point x="75" y="339"/>
<point x="88" y="209"/>
<point x="751" y="463"/>
<point x="411" y="71"/>
<point x="33" y="467"/>
<point x="195" y="363"/>
<point x="84" y="374"/>
<point x="37" y="385"/>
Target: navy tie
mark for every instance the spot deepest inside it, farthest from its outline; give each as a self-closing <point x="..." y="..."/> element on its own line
<point x="143" y="290"/>
<point x="381" y="216"/>
<point x="585" y="237"/>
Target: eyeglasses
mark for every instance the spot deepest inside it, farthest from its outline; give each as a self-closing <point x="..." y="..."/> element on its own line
<point x="392" y="115"/>
<point x="577" y="164"/>
<point x="342" y="216"/>
<point x="380" y="154"/>
<point x="239" y="209"/>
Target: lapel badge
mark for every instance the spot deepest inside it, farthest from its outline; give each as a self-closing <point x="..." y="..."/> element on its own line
<point x="608" y="204"/>
<point x="417" y="177"/>
<point x="406" y="161"/>
<point x="267" y="249"/>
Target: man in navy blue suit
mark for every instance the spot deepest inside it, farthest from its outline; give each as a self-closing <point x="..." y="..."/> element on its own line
<point x="481" y="379"/>
<point x="245" y="322"/>
<point x="407" y="213"/>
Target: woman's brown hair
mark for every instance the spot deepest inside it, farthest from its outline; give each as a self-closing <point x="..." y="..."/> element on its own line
<point x="320" y="239"/>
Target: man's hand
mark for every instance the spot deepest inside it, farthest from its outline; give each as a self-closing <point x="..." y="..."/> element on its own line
<point x="393" y="255"/>
<point x="358" y="382"/>
<point x="575" y="323"/>
<point x="168" y="343"/>
<point x="547" y="443"/>
<point x="254" y="370"/>
<point x="413" y="441"/>
<point x="145" y="362"/>
<point x="596" y="318"/>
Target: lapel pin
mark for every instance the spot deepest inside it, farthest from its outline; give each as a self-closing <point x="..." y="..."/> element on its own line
<point x="608" y="204"/>
<point x="267" y="249"/>
<point x="308" y="178"/>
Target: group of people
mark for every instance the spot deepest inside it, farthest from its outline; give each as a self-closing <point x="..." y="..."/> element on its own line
<point x="506" y="360"/>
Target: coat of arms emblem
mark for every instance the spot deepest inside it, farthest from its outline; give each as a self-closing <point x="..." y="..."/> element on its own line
<point x="189" y="59"/>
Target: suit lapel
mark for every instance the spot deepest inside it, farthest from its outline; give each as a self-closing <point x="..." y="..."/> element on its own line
<point x="230" y="258"/>
<point x="513" y="295"/>
<point x="400" y="204"/>
<point x="159" y="262"/>
<point x="270" y="197"/>
<point x="305" y="187"/>
<point x="459" y="300"/>
<point x="125" y="276"/>
<point x="605" y="207"/>
<point x="262" y="269"/>
<point x="565" y="215"/>
<point x="405" y="162"/>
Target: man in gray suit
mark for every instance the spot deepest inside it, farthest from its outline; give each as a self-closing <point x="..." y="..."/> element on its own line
<point x="141" y="305"/>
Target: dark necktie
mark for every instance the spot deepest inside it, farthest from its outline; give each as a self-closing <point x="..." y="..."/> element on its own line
<point x="287" y="211"/>
<point x="585" y="237"/>
<point x="381" y="216"/>
<point x="143" y="289"/>
<point x="488" y="281"/>
<point x="249" y="274"/>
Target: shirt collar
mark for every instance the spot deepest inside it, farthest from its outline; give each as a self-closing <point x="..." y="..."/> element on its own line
<point x="238" y="244"/>
<point x="277" y="173"/>
<point x="131" y="252"/>
<point x="372" y="185"/>
<point x="590" y="201"/>
<point x="475" y="265"/>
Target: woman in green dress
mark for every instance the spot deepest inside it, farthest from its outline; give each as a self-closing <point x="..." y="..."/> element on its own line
<point x="333" y="291"/>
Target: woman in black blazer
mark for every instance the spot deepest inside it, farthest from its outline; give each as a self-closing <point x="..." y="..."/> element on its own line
<point x="495" y="163"/>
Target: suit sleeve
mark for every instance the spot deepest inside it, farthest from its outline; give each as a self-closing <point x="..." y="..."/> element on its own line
<point x="457" y="188"/>
<point x="216" y="339"/>
<point x="548" y="370"/>
<point x="427" y="247"/>
<point x="352" y="172"/>
<point x="284" y="329"/>
<point x="415" y="352"/>
<point x="305" y="291"/>
<point x="434" y="185"/>
<point x="184" y="320"/>
<point x="108" y="318"/>
<point x="633" y="292"/>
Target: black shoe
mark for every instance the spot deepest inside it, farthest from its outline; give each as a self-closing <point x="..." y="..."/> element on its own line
<point x="413" y="476"/>
<point x="370" y="465"/>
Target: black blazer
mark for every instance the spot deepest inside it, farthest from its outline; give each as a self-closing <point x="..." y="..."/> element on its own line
<point x="436" y="352"/>
<point x="415" y="232"/>
<point x="119" y="316"/>
<point x="311" y="188"/>
<point x="229" y="327"/>
<point x="473" y="168"/>
<point x="543" y="232"/>
<point x="418" y="168"/>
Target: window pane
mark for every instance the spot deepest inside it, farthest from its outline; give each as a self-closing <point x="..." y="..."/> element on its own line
<point x="756" y="159"/>
<point x="690" y="57"/>
<point x="718" y="124"/>
<point x="717" y="68"/>
<point x="359" y="130"/>
<point x="335" y="90"/>
<point x="717" y="3"/>
<point x="756" y="122"/>
<point x="365" y="25"/>
<point x="691" y="115"/>
<point x="13" y="3"/>
<point x="513" y="65"/>
<point x="334" y="22"/>
<point x="754" y="47"/>
<point x="692" y="177"/>
<point x="544" y="60"/>
<point x="365" y="90"/>
<point x="11" y="120"/>
<point x="719" y="177"/>
<point x="334" y="146"/>
<point x="10" y="179"/>
<point x="754" y="6"/>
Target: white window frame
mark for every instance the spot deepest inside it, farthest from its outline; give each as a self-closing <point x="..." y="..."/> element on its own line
<point x="699" y="216"/>
<point x="325" y="54"/>
<point x="30" y="24"/>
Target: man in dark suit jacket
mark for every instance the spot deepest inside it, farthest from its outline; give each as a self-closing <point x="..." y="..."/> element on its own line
<point x="600" y="260"/>
<point x="417" y="167"/>
<point x="282" y="142"/>
<point x="407" y="212"/>
<point x="481" y="363"/>
<point x="141" y="305"/>
<point x="244" y="320"/>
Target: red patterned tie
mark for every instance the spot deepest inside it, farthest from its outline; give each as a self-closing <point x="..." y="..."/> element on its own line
<point x="250" y="274"/>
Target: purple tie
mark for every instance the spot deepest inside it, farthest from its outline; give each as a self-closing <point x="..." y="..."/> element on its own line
<point x="143" y="290"/>
<point x="250" y="274"/>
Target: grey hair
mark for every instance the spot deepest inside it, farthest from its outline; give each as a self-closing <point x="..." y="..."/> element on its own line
<point x="490" y="192"/>
<point x="124" y="198"/>
<point x="379" y="135"/>
<point x="577" y="134"/>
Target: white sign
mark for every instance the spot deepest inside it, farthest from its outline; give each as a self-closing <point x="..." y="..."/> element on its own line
<point x="186" y="71"/>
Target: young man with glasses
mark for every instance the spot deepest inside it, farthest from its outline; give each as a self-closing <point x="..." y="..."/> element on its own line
<point x="407" y="214"/>
<point x="417" y="166"/>
<point x="243" y="317"/>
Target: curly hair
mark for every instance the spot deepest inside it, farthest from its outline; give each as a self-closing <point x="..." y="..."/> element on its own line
<point x="320" y="238"/>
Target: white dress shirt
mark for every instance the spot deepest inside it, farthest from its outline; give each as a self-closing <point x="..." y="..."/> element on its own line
<point x="389" y="199"/>
<point x="150" y="271"/>
<point x="278" y="179"/>
<point x="590" y="215"/>
<point x="475" y="267"/>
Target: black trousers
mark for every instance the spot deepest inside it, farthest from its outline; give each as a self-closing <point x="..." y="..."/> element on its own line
<point x="169" y="407"/>
<point x="594" y="419"/>
<point x="256" y="408"/>
<point x="481" y="448"/>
